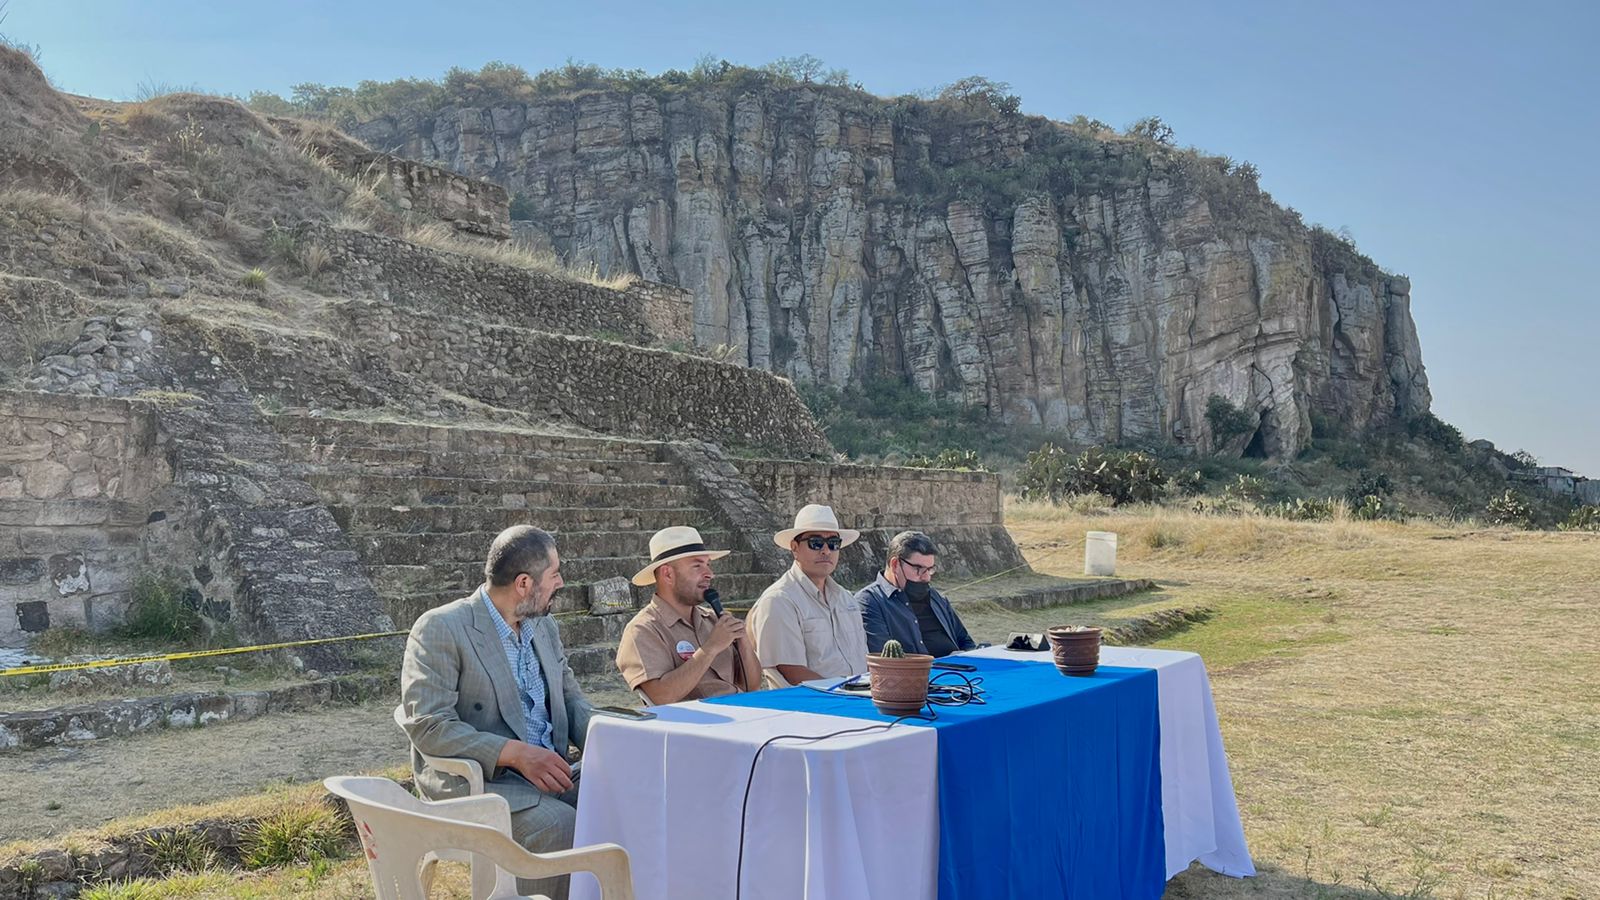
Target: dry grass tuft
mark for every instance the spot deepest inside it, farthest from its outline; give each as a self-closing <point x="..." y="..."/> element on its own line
<point x="439" y="236"/>
<point x="313" y="259"/>
<point x="43" y="206"/>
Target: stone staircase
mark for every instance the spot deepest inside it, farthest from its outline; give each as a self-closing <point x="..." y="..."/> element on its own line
<point x="421" y="503"/>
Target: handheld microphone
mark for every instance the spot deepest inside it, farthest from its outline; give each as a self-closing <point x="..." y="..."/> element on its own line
<point x="714" y="600"/>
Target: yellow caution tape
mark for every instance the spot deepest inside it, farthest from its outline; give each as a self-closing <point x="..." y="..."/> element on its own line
<point x="187" y="654"/>
<point x="200" y="654"/>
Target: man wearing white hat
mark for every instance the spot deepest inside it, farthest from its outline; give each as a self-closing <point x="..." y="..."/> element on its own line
<point x="806" y="626"/>
<point x="674" y="649"/>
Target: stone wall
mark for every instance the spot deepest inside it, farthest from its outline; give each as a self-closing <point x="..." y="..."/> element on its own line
<point x="362" y="264"/>
<point x="381" y="355"/>
<point x="267" y="556"/>
<point x="80" y="482"/>
<point x="879" y="496"/>
<point x="467" y="204"/>
<point x="668" y="313"/>
<point x="961" y="511"/>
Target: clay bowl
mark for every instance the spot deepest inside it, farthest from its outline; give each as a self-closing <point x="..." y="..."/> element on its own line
<point x="1075" y="652"/>
<point x="899" y="685"/>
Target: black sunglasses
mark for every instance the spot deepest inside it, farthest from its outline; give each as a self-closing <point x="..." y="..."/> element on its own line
<point x="817" y="543"/>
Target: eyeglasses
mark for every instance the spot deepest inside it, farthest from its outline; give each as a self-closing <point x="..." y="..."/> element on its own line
<point x="920" y="571"/>
<point x="817" y="543"/>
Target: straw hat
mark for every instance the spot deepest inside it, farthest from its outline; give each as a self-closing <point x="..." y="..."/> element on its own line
<point x="668" y="544"/>
<point x="815" y="517"/>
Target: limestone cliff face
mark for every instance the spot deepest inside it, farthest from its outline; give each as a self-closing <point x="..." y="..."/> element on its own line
<point x="821" y="237"/>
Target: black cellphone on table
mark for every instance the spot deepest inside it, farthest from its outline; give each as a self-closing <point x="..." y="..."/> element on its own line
<point x="954" y="666"/>
<point x="623" y="712"/>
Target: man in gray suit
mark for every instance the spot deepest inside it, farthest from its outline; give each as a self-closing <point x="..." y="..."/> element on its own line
<point x="485" y="678"/>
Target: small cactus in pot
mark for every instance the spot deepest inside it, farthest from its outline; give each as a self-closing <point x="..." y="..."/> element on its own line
<point x="899" y="679"/>
<point x="1076" y="648"/>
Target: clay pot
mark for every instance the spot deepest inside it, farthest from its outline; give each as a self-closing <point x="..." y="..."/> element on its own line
<point x="899" y="685"/>
<point x="1075" y="652"/>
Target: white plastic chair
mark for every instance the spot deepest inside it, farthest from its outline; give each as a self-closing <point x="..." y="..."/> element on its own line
<point x="399" y="833"/>
<point x="483" y="882"/>
<point x="452" y="765"/>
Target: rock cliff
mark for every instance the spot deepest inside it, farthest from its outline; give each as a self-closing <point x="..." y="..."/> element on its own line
<point x="1063" y="275"/>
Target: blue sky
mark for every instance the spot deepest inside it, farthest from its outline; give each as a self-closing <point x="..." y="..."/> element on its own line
<point x="1454" y="139"/>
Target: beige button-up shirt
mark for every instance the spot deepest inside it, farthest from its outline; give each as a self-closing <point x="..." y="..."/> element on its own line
<point x="795" y="625"/>
<point x="659" y="639"/>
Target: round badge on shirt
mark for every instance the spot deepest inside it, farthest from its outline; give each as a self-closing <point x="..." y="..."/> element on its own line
<point x="685" y="650"/>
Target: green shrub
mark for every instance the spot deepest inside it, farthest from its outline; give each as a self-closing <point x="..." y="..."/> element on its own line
<point x="890" y="417"/>
<point x="959" y="460"/>
<point x="1584" y="518"/>
<point x="280" y="244"/>
<point x="1227" y="420"/>
<point x="1306" y="510"/>
<point x="1219" y="506"/>
<point x="1123" y="476"/>
<point x="522" y="208"/>
<point x="255" y="279"/>
<point x="1372" y="508"/>
<point x="295" y="836"/>
<point x="1436" y="431"/>
<point x="161" y="609"/>
<point x="1509" y="509"/>
<point x="1246" y="489"/>
<point x="180" y="850"/>
<point x="1369" y="483"/>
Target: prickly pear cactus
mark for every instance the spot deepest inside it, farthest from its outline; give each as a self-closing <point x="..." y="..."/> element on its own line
<point x="892" y="650"/>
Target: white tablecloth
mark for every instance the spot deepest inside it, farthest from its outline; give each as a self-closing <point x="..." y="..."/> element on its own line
<point x="854" y="816"/>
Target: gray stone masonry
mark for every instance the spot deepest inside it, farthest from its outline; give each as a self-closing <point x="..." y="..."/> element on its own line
<point x="271" y="558"/>
<point x="363" y="264"/>
<point x="35" y="729"/>
<point x="81" y="479"/>
<point x="385" y="356"/>
<point x="469" y="205"/>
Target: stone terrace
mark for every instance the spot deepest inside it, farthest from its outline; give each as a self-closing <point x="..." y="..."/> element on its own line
<point x="421" y="504"/>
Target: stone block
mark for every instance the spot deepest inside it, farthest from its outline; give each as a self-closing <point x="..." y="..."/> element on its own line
<point x="69" y="573"/>
<point x="611" y="596"/>
<point x="183" y="710"/>
<point x="132" y="716"/>
<point x="249" y="704"/>
<point x="147" y="674"/>
<point x="301" y="696"/>
<point x="22" y="570"/>
<point x="46" y="479"/>
<point x="33" y="616"/>
<point x="213" y="708"/>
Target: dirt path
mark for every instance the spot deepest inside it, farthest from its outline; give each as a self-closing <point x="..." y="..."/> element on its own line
<point x="47" y="792"/>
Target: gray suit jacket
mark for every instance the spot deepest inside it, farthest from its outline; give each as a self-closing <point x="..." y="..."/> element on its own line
<point x="460" y="698"/>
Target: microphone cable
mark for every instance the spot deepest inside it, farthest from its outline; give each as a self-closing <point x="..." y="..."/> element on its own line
<point x="744" y="806"/>
<point x="970" y="691"/>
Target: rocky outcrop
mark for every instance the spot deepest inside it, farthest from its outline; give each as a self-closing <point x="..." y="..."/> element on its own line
<point x="1105" y="290"/>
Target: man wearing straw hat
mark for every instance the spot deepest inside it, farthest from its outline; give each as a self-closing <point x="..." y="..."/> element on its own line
<point x="806" y="626"/>
<point x="675" y="649"/>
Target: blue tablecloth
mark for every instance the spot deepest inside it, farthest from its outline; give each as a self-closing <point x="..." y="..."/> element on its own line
<point x="1052" y="788"/>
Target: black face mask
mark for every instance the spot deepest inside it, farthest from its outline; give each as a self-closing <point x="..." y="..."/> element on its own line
<point x="917" y="591"/>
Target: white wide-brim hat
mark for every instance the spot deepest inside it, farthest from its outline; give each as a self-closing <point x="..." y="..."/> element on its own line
<point x="668" y="544"/>
<point x="815" y="517"/>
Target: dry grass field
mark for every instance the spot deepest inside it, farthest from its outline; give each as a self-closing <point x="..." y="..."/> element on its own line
<point x="1410" y="710"/>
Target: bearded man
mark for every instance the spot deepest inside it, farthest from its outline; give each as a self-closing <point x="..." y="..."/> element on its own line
<point x="485" y="678"/>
